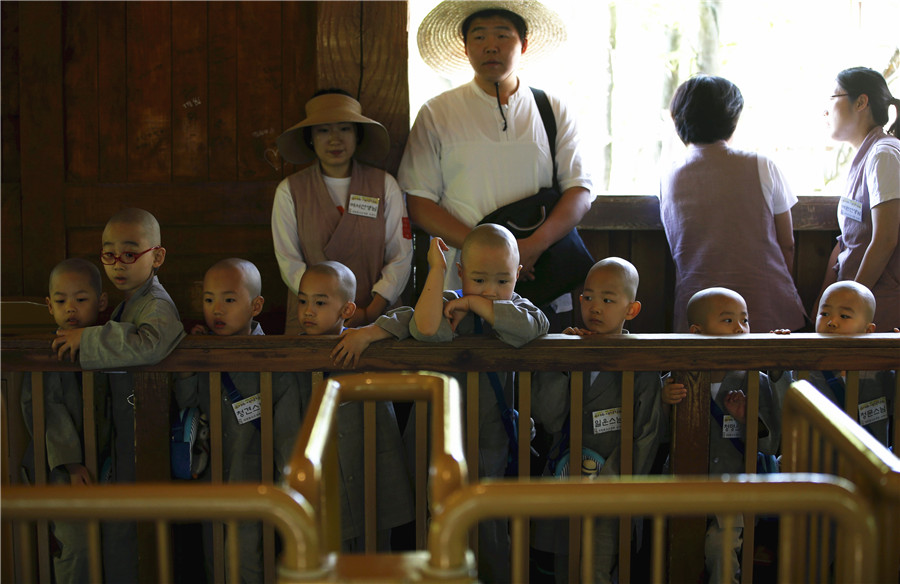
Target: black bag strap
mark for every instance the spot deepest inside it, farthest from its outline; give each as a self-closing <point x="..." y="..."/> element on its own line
<point x="543" y="105"/>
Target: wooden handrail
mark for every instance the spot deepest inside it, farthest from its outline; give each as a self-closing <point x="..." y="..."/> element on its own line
<point x="637" y="352"/>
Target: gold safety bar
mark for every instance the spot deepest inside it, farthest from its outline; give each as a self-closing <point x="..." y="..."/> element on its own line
<point x="817" y="434"/>
<point x="787" y="494"/>
<point x="289" y="512"/>
<point x="313" y="468"/>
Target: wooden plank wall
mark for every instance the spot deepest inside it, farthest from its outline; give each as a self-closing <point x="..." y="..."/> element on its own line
<point x="174" y="107"/>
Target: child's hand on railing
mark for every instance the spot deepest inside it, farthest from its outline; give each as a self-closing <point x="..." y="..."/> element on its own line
<point x="353" y="342"/>
<point x="67" y="341"/>
<point x="581" y="332"/>
<point x="673" y="393"/>
<point x="78" y="474"/>
<point x="780" y="332"/>
<point x="199" y="329"/>
<point x="736" y="405"/>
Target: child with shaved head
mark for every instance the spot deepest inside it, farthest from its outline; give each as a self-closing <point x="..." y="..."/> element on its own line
<point x="847" y="308"/>
<point x="608" y="301"/>
<point x="144" y="328"/>
<point x="487" y="304"/>
<point x="721" y="311"/>
<point x="325" y="302"/>
<point x="75" y="300"/>
<point x="231" y="301"/>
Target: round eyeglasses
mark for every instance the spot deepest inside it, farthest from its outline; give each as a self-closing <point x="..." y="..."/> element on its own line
<point x="108" y="258"/>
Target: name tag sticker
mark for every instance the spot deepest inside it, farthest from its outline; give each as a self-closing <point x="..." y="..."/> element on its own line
<point x="730" y="428"/>
<point x="248" y="409"/>
<point x="607" y="420"/>
<point x="363" y="206"/>
<point x="873" y="411"/>
<point x="851" y="209"/>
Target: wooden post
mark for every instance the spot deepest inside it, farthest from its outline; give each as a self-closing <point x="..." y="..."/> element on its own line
<point x="689" y="456"/>
<point x="152" y="400"/>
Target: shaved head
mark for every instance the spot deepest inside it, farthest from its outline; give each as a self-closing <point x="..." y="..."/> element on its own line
<point x="702" y="302"/>
<point x="147" y="223"/>
<point x="863" y="294"/>
<point x="341" y="274"/>
<point x="491" y="235"/>
<point x="78" y="266"/>
<point x="249" y="273"/>
<point x="621" y="269"/>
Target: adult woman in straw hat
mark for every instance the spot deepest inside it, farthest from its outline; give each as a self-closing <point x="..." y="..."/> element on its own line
<point x="483" y="145"/>
<point x="340" y="208"/>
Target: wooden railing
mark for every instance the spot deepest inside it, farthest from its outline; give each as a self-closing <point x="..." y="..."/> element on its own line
<point x="685" y="355"/>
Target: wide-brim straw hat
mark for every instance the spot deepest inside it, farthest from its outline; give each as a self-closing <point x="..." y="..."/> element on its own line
<point x="334" y="108"/>
<point x="440" y="34"/>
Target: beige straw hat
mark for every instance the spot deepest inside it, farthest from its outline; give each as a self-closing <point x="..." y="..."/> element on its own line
<point x="334" y="108"/>
<point x="440" y="34"/>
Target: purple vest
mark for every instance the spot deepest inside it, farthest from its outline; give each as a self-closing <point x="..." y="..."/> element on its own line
<point x="722" y="233"/>
<point x="856" y="235"/>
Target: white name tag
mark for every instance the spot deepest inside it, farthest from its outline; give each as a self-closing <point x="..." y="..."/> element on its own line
<point x="607" y="420"/>
<point x="873" y="411"/>
<point x="730" y="428"/>
<point x="363" y="206"/>
<point x="851" y="209"/>
<point x="248" y="409"/>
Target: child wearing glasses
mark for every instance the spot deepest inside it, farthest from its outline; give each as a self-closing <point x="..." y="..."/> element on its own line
<point x="231" y="300"/>
<point x="144" y="328"/>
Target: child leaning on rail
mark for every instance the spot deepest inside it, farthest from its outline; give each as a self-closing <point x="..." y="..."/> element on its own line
<point x="325" y="299"/>
<point x="607" y="302"/>
<point x="487" y="304"/>
<point x="847" y="308"/>
<point x="76" y="300"/>
<point x="143" y="330"/>
<point x="231" y="299"/>
<point x="720" y="311"/>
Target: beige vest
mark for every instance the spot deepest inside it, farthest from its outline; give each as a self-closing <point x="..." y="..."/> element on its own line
<point x="325" y="233"/>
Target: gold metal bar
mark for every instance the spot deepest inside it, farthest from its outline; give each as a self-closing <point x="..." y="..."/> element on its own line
<point x="163" y="551"/>
<point x="587" y="549"/>
<point x="658" y="549"/>
<point x="234" y="552"/>
<point x="94" y="551"/>
<point x="519" y="549"/>
<point x="806" y="493"/>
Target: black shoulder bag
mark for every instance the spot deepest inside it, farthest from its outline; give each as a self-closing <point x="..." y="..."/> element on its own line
<point x="565" y="264"/>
